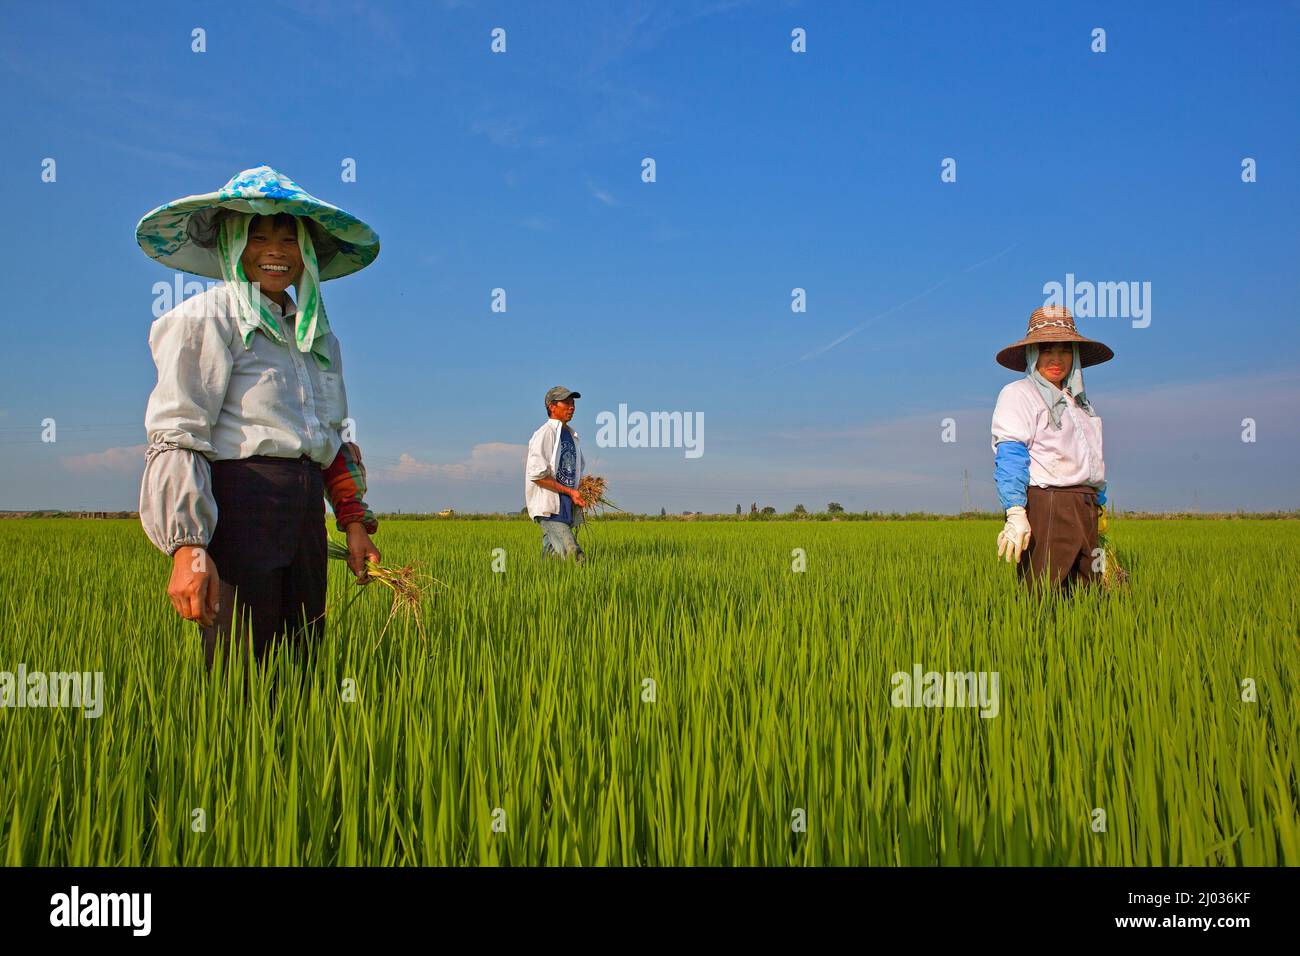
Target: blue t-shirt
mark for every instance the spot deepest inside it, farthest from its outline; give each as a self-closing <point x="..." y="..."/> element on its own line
<point x="566" y="473"/>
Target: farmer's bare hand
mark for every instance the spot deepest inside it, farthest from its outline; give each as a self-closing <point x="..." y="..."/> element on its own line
<point x="360" y="550"/>
<point x="194" y="588"/>
<point x="578" y="500"/>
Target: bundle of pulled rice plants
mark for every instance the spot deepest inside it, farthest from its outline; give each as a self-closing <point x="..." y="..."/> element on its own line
<point x="1113" y="575"/>
<point x="592" y="490"/>
<point x="408" y="584"/>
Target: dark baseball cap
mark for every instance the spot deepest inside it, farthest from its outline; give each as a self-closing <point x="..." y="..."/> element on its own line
<point x="560" y="394"/>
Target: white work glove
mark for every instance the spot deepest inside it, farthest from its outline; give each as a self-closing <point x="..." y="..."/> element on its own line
<point x="1014" y="536"/>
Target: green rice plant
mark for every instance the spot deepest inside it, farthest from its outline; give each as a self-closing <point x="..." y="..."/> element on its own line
<point x="703" y="693"/>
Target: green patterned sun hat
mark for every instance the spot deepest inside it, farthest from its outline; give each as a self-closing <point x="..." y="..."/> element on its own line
<point x="182" y="234"/>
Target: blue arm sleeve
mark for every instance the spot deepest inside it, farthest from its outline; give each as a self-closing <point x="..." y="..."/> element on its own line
<point x="1101" y="494"/>
<point x="1011" y="472"/>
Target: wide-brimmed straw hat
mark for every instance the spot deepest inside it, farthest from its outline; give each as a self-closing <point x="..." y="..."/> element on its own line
<point x="1053" y="323"/>
<point x="182" y="234"/>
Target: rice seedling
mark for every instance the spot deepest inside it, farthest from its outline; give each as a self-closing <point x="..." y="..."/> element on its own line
<point x="1113" y="575"/>
<point x="407" y="584"/>
<point x="592" y="490"/>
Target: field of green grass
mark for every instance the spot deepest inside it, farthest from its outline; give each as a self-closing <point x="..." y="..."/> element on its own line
<point x="527" y="730"/>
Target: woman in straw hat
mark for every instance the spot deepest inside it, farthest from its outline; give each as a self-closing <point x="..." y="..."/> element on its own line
<point x="1049" y="470"/>
<point x="246" y="422"/>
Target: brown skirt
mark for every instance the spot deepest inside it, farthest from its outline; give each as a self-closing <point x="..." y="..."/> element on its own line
<point x="269" y="549"/>
<point x="1063" y="549"/>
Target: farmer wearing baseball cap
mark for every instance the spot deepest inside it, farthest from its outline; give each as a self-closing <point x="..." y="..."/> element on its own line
<point x="246" y="423"/>
<point x="1048" y="465"/>
<point x="552" y="471"/>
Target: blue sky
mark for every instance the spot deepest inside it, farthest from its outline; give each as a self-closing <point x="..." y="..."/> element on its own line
<point x="775" y="170"/>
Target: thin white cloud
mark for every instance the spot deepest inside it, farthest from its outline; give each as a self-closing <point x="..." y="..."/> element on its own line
<point x="504" y="131"/>
<point x="604" y="196"/>
<point x="123" y="461"/>
<point x="488" y="461"/>
<point x="902" y="305"/>
<point x="376" y="25"/>
<point x="638" y="27"/>
<point x="512" y="131"/>
<point x="1184" y="411"/>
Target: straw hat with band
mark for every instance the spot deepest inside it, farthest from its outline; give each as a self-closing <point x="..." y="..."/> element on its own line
<point x="206" y="234"/>
<point x="1050" y="324"/>
<point x="1053" y="323"/>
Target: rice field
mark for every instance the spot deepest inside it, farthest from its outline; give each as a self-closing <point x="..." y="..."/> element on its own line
<point x="685" y="698"/>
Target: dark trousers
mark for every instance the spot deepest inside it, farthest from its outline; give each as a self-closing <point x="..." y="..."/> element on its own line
<point x="269" y="549"/>
<point x="1063" y="543"/>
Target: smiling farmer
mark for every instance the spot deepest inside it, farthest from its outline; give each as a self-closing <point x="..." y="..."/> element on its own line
<point x="552" y="471"/>
<point x="1048" y="465"/>
<point x="245" y="423"/>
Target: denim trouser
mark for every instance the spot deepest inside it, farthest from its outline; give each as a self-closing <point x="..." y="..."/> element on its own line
<point x="561" y="539"/>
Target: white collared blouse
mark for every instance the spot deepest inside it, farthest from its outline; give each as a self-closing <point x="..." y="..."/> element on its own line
<point x="1058" y="457"/>
<point x="217" y="399"/>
